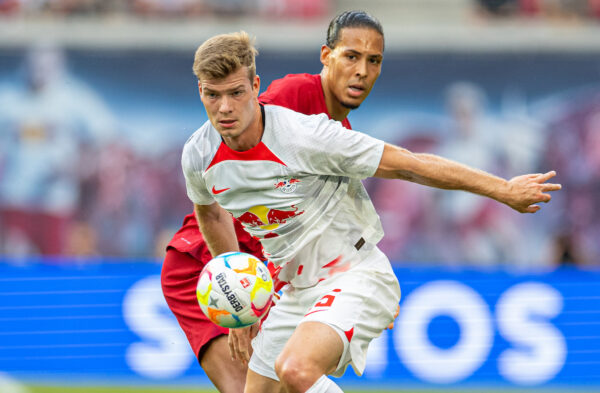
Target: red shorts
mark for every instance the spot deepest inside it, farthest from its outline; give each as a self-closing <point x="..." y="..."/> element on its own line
<point x="187" y="253"/>
<point x="179" y="278"/>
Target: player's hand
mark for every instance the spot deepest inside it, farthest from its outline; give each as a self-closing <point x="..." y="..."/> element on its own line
<point x="391" y="325"/>
<point x="526" y="190"/>
<point x="239" y="342"/>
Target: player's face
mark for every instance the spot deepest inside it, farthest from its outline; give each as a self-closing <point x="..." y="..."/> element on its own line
<point x="230" y="102"/>
<point x="353" y="66"/>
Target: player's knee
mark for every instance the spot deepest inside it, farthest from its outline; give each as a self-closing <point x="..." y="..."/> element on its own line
<point x="295" y="373"/>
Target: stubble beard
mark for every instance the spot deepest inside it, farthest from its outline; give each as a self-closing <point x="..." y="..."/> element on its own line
<point x="349" y="106"/>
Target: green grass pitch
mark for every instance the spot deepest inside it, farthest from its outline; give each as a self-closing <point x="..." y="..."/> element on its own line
<point x="153" y="389"/>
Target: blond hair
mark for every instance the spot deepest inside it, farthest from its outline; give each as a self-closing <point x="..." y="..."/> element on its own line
<point x="224" y="54"/>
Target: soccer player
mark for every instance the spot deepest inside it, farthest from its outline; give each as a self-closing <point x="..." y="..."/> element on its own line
<point x="294" y="182"/>
<point x="351" y="60"/>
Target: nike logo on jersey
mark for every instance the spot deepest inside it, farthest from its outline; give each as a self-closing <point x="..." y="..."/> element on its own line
<point x="215" y="191"/>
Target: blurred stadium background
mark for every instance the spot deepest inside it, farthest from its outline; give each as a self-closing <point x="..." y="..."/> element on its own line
<point x="97" y="98"/>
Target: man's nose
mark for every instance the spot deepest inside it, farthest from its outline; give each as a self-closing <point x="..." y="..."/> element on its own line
<point x="225" y="105"/>
<point x="362" y="69"/>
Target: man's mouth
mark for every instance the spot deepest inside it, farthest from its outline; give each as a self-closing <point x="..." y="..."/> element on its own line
<point x="227" y="123"/>
<point x="356" y="90"/>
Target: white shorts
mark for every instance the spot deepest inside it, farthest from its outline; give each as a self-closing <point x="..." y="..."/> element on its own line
<point x="358" y="304"/>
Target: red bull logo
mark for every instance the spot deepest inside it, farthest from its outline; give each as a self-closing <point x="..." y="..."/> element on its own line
<point x="267" y="218"/>
<point x="287" y="185"/>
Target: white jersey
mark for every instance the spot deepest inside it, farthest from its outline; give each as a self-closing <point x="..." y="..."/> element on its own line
<point x="298" y="190"/>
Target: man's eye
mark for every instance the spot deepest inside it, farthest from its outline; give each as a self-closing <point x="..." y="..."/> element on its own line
<point x="237" y="93"/>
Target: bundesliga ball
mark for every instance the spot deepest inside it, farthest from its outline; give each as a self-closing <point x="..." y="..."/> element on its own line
<point x="235" y="290"/>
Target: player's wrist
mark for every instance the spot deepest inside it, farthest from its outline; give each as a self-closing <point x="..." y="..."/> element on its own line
<point x="503" y="192"/>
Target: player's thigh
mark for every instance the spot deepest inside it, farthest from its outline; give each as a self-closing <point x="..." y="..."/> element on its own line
<point x="256" y="383"/>
<point x="357" y="305"/>
<point x="179" y="278"/>
<point x="228" y="376"/>
<point x="314" y="347"/>
<point x="275" y="332"/>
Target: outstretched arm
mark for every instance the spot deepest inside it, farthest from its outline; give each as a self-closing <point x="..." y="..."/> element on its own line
<point x="520" y="193"/>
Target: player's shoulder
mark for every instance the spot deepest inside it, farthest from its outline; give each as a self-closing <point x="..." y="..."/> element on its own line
<point x="291" y="87"/>
<point x="204" y="135"/>
<point x="298" y="80"/>
<point x="302" y="126"/>
<point x="200" y="146"/>
<point x="282" y="114"/>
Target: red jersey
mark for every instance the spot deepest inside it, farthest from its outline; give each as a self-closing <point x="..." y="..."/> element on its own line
<point x="300" y="92"/>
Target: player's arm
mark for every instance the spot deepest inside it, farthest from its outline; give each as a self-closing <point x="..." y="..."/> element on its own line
<point x="217" y="228"/>
<point x="520" y="193"/>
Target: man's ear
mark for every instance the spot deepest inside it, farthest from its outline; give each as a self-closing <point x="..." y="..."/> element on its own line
<point x="325" y="52"/>
<point x="200" y="88"/>
<point x="256" y="85"/>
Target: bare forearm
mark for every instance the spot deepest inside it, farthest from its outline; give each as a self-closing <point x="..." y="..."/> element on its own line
<point x="521" y="193"/>
<point x="217" y="228"/>
<point x="439" y="172"/>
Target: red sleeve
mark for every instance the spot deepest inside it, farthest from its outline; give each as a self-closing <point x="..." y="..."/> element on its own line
<point x="188" y="239"/>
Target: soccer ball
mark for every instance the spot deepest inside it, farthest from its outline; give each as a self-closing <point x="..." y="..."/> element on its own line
<point x="235" y="290"/>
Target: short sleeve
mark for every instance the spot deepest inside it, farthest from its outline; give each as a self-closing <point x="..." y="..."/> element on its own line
<point x="326" y="147"/>
<point x="192" y="171"/>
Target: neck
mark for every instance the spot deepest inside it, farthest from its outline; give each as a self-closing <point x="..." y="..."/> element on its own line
<point x="336" y="110"/>
<point x="251" y="135"/>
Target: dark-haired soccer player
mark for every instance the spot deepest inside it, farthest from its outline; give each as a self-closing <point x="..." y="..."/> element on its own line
<point x="351" y="61"/>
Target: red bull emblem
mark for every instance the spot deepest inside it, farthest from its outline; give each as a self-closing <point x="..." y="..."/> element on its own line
<point x="266" y="218"/>
<point x="286" y="185"/>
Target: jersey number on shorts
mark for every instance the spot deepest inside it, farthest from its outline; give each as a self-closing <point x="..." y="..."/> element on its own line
<point x="327" y="300"/>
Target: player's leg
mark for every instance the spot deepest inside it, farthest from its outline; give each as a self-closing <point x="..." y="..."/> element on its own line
<point x="312" y="353"/>
<point x="348" y="311"/>
<point x="179" y="278"/>
<point x="228" y="376"/>
<point x="275" y="331"/>
<point x="256" y="383"/>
